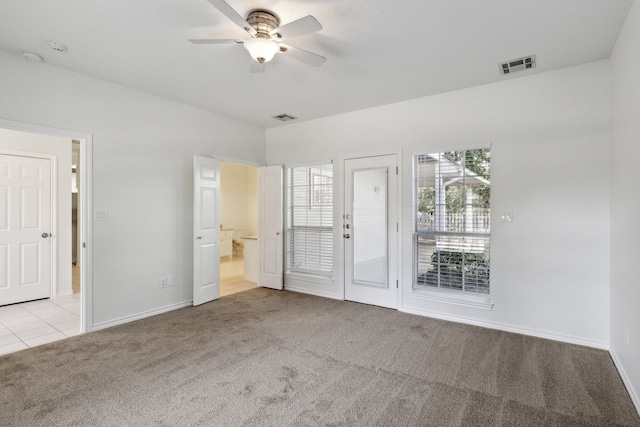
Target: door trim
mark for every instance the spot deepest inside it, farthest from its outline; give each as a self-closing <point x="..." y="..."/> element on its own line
<point x="238" y="161"/>
<point x="85" y="208"/>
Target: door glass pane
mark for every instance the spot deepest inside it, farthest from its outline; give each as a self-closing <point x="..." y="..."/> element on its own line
<point x="369" y="231"/>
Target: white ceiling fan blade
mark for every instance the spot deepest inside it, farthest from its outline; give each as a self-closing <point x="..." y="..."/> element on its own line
<point x="257" y="67"/>
<point x="299" y="27"/>
<point x="214" y="41"/>
<point x="230" y="13"/>
<point x="304" y="56"/>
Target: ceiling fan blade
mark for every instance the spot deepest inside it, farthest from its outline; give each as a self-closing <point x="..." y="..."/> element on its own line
<point x="214" y="41"/>
<point x="230" y="13"/>
<point x="304" y="56"/>
<point x="299" y="27"/>
<point x="257" y="67"/>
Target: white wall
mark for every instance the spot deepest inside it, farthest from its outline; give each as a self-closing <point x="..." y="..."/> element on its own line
<point x="143" y="149"/>
<point x="625" y="204"/>
<point x="61" y="148"/>
<point x="550" y="135"/>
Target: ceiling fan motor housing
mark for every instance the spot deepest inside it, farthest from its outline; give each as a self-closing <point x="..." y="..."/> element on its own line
<point x="263" y="22"/>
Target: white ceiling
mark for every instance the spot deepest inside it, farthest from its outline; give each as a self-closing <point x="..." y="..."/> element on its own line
<point x="378" y="51"/>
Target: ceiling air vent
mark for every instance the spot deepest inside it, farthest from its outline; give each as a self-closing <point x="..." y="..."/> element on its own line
<point x="57" y="46"/>
<point x="518" y="64"/>
<point x="284" y="117"/>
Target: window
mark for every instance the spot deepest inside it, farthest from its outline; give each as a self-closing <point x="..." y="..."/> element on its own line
<point x="452" y="229"/>
<point x="309" y="219"/>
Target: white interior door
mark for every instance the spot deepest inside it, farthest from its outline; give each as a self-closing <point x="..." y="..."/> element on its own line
<point x="206" y="229"/>
<point x="25" y="229"/>
<point x="371" y="231"/>
<point x="271" y="238"/>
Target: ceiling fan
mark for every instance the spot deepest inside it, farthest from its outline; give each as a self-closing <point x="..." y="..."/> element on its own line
<point x="267" y="35"/>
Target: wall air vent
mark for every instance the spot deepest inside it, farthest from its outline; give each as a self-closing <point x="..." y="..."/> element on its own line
<point x="518" y="64"/>
<point x="284" y="117"/>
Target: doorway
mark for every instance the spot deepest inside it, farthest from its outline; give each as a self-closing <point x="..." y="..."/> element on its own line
<point x="21" y="137"/>
<point x="37" y="299"/>
<point x="239" y="209"/>
<point x="370" y="230"/>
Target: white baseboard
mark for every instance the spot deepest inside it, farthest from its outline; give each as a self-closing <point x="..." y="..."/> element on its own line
<point x="127" y="319"/>
<point x="635" y="398"/>
<point x="64" y="293"/>
<point x="509" y="328"/>
<point x="310" y="292"/>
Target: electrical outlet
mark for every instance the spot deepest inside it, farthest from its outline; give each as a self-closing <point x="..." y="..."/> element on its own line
<point x="506" y="216"/>
<point x="101" y="215"/>
<point x="163" y="282"/>
<point x="169" y="280"/>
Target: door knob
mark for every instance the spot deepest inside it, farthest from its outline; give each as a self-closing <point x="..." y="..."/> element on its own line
<point x="45" y="235"/>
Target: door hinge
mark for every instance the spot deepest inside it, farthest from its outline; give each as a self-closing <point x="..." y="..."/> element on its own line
<point x="396" y="284"/>
<point x="84" y="245"/>
<point x="397" y="227"/>
<point x="396" y="170"/>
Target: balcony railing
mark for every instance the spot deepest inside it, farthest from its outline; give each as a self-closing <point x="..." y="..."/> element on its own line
<point x="460" y="222"/>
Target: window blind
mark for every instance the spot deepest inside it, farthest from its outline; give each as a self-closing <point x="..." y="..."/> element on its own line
<point x="309" y="219"/>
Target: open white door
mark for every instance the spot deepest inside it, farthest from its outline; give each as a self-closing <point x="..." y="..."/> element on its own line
<point x="206" y="229"/>
<point x="25" y="229"/>
<point x="271" y="254"/>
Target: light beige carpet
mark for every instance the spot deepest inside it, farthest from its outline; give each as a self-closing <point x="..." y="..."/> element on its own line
<point x="273" y="358"/>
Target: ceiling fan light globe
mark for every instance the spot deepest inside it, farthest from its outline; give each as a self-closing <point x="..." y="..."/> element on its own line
<point x="262" y="50"/>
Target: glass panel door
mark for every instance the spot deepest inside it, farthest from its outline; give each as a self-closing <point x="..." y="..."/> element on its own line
<point x="370" y="231"/>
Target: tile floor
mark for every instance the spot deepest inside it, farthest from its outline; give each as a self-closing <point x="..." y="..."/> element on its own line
<point x="232" y="276"/>
<point x="38" y="322"/>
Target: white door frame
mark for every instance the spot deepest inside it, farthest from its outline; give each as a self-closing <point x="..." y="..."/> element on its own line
<point x="53" y="163"/>
<point x="85" y="208"/>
